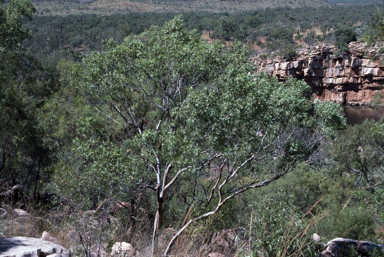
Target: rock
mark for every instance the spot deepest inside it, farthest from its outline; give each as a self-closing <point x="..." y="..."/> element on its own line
<point x="316" y="238"/>
<point x="296" y="65"/>
<point x="356" y="62"/>
<point x="47" y="237"/>
<point x="314" y="64"/>
<point x="122" y="249"/>
<point x="369" y="63"/>
<point x="341" y="247"/>
<point x="30" y="247"/>
<point x="356" y="75"/>
<point x="270" y="68"/>
<point x="21" y="212"/>
<point x="284" y="65"/>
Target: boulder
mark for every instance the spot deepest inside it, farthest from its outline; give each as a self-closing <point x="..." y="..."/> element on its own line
<point x="21" y="212"/>
<point x="342" y="247"/>
<point x="47" y="237"/>
<point x="30" y="247"/>
<point x="122" y="249"/>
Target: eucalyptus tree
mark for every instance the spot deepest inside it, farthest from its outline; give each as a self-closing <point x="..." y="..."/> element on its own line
<point x="192" y="113"/>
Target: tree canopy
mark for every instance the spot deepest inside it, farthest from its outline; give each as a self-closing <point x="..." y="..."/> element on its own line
<point x="191" y="113"/>
<point x="11" y="18"/>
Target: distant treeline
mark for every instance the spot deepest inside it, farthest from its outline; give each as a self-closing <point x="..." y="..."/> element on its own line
<point x="59" y="36"/>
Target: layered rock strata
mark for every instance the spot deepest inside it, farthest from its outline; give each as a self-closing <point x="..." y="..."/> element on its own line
<point x="355" y="77"/>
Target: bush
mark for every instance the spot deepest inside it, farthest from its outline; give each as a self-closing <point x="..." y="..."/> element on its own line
<point x="349" y="222"/>
<point x="279" y="230"/>
<point x="288" y="51"/>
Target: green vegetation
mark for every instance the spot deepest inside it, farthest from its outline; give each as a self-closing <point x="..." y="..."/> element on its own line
<point x="272" y="31"/>
<point x="148" y="133"/>
<point x="25" y="86"/>
<point x="108" y="7"/>
<point x="375" y="28"/>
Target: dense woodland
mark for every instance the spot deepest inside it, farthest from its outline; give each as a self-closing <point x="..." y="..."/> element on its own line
<point x="136" y="128"/>
<point x="279" y="29"/>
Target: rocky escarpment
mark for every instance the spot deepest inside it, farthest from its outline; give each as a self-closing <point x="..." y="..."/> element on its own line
<point x="355" y="77"/>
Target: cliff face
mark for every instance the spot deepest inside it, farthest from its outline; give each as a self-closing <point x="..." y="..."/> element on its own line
<point x="354" y="78"/>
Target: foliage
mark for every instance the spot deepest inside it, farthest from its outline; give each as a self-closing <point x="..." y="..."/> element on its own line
<point x="11" y="18"/>
<point x="359" y="150"/>
<point x="345" y="35"/>
<point x="184" y="107"/>
<point x="225" y="28"/>
<point x="288" y="51"/>
<point x="180" y="128"/>
<point x="71" y="36"/>
<point x="24" y="88"/>
<point x="348" y="222"/>
<point x="329" y="117"/>
<point x="375" y="29"/>
<point x="278" y="230"/>
<point x="92" y="168"/>
<point x="343" y="38"/>
<point x="76" y="7"/>
<point x="304" y="202"/>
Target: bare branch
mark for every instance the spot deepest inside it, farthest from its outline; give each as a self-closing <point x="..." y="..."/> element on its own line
<point x="153" y="168"/>
<point x="365" y="176"/>
<point x="175" y="177"/>
<point x="217" y="181"/>
<point x="167" y="169"/>
<point x="158" y="166"/>
<point x="221" y="202"/>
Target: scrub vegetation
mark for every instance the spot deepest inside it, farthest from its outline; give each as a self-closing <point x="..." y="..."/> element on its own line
<point x="152" y="128"/>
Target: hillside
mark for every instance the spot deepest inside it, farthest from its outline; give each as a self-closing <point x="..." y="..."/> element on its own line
<point x="109" y="7"/>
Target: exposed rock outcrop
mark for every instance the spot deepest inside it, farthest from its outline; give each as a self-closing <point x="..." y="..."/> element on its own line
<point x="355" y="77"/>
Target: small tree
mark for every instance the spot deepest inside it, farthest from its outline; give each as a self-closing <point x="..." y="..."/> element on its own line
<point x="193" y="113"/>
<point x="225" y="28"/>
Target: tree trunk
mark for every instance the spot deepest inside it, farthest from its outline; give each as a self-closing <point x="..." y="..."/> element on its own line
<point x="157" y="223"/>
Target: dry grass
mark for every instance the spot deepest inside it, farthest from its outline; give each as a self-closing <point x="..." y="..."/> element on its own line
<point x="77" y="231"/>
<point x="68" y="225"/>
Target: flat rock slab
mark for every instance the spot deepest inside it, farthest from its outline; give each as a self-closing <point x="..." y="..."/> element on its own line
<point x="30" y="247"/>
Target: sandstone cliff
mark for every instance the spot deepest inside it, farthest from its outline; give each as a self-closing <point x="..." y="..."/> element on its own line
<point x="355" y="77"/>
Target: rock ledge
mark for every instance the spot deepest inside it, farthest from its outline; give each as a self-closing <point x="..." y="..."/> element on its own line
<point x="355" y="77"/>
